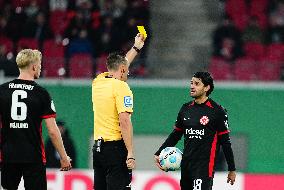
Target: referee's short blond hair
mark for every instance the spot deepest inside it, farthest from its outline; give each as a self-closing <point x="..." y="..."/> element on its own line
<point x="28" y="56"/>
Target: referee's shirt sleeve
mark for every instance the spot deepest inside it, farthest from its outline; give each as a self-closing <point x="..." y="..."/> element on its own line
<point x="48" y="108"/>
<point x="123" y="97"/>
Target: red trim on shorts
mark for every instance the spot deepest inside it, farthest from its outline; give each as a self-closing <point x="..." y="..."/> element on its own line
<point x="224" y="132"/>
<point x="48" y="116"/>
<point x="212" y="156"/>
<point x="43" y="157"/>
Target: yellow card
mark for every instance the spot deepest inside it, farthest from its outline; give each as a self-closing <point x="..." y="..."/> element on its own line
<point x="142" y="30"/>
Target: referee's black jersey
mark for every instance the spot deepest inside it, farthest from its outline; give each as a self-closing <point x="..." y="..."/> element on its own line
<point x="204" y="127"/>
<point x="23" y="105"/>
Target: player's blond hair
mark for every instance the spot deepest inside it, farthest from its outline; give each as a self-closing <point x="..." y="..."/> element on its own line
<point x="28" y="56"/>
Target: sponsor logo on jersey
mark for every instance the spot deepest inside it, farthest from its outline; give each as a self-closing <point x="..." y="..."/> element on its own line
<point x="127" y="101"/>
<point x="204" y="120"/>
<point x="194" y="133"/>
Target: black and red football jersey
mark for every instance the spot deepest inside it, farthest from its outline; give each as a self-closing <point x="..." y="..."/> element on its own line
<point x="202" y="126"/>
<point x="23" y="105"/>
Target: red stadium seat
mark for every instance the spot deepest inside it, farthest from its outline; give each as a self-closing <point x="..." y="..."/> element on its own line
<point x="20" y="3"/>
<point x="53" y="59"/>
<point x="101" y="64"/>
<point x="258" y="6"/>
<point x="275" y="51"/>
<point x="220" y="69"/>
<point x="53" y="49"/>
<point x="81" y="66"/>
<point x="245" y="69"/>
<point x="238" y="11"/>
<point x="24" y="43"/>
<point x="254" y="50"/>
<point x="269" y="69"/>
<point x="53" y="67"/>
<point x="7" y="43"/>
<point x="58" y="21"/>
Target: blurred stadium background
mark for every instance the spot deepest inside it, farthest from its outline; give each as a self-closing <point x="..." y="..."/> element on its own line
<point x="241" y="42"/>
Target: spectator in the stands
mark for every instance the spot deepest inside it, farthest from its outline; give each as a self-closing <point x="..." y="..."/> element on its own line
<point x="227" y="42"/>
<point x="275" y="31"/>
<point x="81" y="44"/>
<point x="8" y="65"/>
<point x="253" y="32"/>
<point x="55" y="5"/>
<point x="38" y="28"/>
<point x="110" y="35"/>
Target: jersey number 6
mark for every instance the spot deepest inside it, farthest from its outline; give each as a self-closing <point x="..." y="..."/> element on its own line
<point x="22" y="114"/>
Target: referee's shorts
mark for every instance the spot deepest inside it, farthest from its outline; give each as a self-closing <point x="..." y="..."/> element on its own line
<point x="110" y="169"/>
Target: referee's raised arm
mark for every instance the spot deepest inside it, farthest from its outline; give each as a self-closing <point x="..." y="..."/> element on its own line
<point x="135" y="49"/>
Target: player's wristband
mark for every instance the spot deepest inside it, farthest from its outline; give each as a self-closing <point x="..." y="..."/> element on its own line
<point x="130" y="158"/>
<point x="136" y="49"/>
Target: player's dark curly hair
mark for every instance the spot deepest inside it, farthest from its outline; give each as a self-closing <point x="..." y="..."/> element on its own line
<point x="114" y="60"/>
<point x="206" y="79"/>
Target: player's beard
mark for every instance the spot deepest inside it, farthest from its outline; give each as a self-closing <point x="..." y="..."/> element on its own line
<point x="196" y="94"/>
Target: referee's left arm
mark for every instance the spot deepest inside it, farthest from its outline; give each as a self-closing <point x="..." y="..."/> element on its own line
<point x="127" y="135"/>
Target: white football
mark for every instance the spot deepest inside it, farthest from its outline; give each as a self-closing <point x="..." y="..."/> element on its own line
<point x="170" y="158"/>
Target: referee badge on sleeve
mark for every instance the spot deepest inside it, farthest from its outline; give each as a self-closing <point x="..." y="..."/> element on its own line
<point x="128" y="101"/>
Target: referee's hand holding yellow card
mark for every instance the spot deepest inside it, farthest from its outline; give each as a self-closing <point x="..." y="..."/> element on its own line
<point x="142" y="31"/>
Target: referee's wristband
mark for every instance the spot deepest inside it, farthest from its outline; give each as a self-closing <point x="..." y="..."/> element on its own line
<point x="136" y="49"/>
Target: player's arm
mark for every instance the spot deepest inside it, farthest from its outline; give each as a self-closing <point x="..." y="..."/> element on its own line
<point x="138" y="45"/>
<point x="127" y="135"/>
<point x="172" y="139"/>
<point x="225" y="142"/>
<point x="57" y="142"/>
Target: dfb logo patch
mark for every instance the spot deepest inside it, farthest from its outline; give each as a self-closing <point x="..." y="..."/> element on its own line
<point x="127" y="101"/>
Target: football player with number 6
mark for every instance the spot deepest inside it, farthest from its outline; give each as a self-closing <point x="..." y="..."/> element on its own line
<point x="23" y="106"/>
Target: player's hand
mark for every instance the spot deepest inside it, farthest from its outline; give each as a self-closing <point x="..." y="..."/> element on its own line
<point x="231" y="177"/>
<point x="139" y="41"/>
<point x="65" y="164"/>
<point x="157" y="162"/>
<point x="130" y="161"/>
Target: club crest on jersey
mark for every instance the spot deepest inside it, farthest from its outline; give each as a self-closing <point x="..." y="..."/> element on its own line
<point x="204" y="120"/>
<point x="127" y="101"/>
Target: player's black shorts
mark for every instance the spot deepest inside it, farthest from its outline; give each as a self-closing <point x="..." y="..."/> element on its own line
<point x="110" y="169"/>
<point x="196" y="183"/>
<point x="34" y="175"/>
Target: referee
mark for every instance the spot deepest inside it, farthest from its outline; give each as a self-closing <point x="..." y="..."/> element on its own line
<point x="113" y="158"/>
<point x="204" y="125"/>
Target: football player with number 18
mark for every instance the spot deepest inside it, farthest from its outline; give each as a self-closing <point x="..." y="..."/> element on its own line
<point x="204" y="125"/>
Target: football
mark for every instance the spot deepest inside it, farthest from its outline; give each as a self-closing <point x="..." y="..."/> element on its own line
<point x="170" y="158"/>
